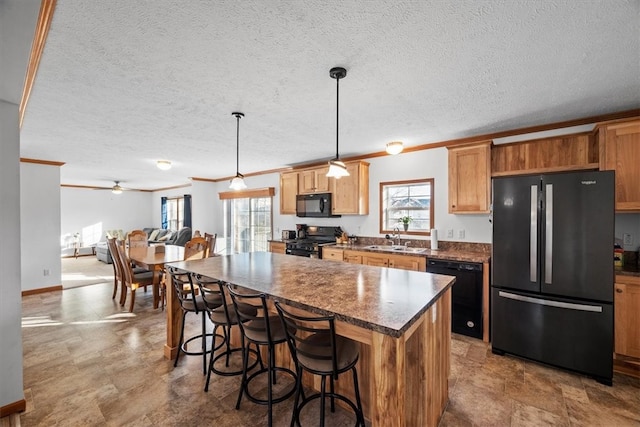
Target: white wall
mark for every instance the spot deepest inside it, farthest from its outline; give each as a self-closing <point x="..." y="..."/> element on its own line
<point x="629" y="223"/>
<point x="84" y="208"/>
<point x="208" y="214"/>
<point x="40" y="225"/>
<point x="17" y="24"/>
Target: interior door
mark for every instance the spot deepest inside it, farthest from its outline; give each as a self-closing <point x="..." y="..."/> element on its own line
<point x="516" y="236"/>
<point x="578" y="234"/>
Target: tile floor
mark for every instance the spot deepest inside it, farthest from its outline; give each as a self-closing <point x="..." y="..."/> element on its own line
<point x="87" y="362"/>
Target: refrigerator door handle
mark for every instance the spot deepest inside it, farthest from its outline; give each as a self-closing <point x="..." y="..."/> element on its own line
<point x="549" y="303"/>
<point x="548" y="250"/>
<point x="533" y="237"/>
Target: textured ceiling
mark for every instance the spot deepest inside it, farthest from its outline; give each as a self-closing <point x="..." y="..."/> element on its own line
<point x="124" y="83"/>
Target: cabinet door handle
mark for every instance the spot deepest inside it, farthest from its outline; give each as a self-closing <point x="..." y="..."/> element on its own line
<point x="618" y="290"/>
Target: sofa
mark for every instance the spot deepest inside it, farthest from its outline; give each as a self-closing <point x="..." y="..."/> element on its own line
<point x="154" y="235"/>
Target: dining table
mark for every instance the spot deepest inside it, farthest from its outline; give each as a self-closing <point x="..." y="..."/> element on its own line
<point x="400" y="318"/>
<point x="154" y="258"/>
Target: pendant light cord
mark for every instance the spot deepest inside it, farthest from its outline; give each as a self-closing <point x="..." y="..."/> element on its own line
<point x="238" y="115"/>
<point x="337" y="116"/>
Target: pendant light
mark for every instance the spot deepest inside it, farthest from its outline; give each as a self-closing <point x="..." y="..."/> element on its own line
<point x="116" y="189"/>
<point x="337" y="168"/>
<point x="237" y="183"/>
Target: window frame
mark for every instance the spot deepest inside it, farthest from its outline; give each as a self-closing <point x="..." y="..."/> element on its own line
<point x="179" y="212"/>
<point x="412" y="182"/>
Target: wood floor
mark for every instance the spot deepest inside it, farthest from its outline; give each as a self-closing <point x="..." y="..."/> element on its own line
<point x="88" y="362"/>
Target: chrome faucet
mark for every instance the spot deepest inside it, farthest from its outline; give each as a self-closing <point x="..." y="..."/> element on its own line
<point x="396" y="235"/>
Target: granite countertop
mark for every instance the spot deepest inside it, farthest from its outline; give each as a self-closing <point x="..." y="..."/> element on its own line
<point x="454" y="255"/>
<point x="628" y="272"/>
<point x="385" y="300"/>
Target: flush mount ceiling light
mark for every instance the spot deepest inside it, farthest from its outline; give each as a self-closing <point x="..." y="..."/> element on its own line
<point x="394" y="147"/>
<point x="164" y="165"/>
<point x="116" y="189"/>
<point x="337" y="168"/>
<point x="237" y="183"/>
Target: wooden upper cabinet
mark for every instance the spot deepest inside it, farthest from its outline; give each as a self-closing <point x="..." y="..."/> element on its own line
<point x="351" y="193"/>
<point x="555" y="154"/>
<point x="620" y="151"/>
<point x="470" y="178"/>
<point x="627" y="316"/>
<point x="313" y="181"/>
<point x="288" y="192"/>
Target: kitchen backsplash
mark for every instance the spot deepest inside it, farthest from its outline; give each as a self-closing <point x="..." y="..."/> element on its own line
<point x="442" y="244"/>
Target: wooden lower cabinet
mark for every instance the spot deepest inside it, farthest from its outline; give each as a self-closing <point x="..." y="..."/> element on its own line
<point x="353" y="257"/>
<point x="413" y="263"/>
<point x="334" y="254"/>
<point x="277" y="247"/>
<point x="404" y="262"/>
<point x="375" y="260"/>
<point x="627" y="316"/>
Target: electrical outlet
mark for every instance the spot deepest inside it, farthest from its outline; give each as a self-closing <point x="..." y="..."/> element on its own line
<point x="450" y="233"/>
<point x="628" y="239"/>
<point x="460" y="234"/>
<point x="45" y="272"/>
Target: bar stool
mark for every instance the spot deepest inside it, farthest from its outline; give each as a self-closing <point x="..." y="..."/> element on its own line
<point x="191" y="303"/>
<point x="262" y="330"/>
<point x="317" y="349"/>
<point x="222" y="315"/>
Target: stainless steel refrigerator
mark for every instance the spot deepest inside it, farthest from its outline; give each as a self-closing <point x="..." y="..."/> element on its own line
<point x="552" y="270"/>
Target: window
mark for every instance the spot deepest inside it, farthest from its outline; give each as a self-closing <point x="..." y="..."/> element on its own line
<point x="407" y="198"/>
<point x="248" y="220"/>
<point x="175" y="213"/>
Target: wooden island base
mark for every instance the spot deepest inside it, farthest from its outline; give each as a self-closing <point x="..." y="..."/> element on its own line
<point x="402" y="320"/>
<point x="403" y="381"/>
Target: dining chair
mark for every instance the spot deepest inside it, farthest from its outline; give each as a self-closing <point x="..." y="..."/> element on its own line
<point x="137" y="239"/>
<point x="317" y="349"/>
<point x="211" y="240"/>
<point x="196" y="248"/>
<point x="131" y="281"/>
<point x="117" y="267"/>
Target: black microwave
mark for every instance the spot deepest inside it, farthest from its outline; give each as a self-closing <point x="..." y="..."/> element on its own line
<point x="314" y="205"/>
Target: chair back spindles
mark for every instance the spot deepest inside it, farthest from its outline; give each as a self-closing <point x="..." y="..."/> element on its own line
<point x="211" y="242"/>
<point x="137" y="239"/>
<point x="196" y="248"/>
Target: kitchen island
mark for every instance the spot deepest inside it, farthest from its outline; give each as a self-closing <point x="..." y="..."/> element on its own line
<point x="400" y="318"/>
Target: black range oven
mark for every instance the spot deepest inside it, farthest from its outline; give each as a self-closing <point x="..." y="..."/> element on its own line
<point x="314" y="239"/>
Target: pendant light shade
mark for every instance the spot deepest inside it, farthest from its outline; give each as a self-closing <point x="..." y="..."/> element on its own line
<point x="237" y="183"/>
<point x="337" y="168"/>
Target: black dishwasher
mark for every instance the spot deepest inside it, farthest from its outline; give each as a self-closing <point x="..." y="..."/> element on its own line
<point x="466" y="311"/>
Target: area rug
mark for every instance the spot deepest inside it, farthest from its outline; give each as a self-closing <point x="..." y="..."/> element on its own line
<point x="85" y="270"/>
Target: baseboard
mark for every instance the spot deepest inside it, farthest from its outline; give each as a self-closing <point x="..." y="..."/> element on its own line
<point x="42" y="290"/>
<point x="12" y="408"/>
<point x="626" y="365"/>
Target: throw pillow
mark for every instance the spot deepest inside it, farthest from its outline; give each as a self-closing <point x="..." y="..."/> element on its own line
<point x="154" y="234"/>
<point x="165" y="237"/>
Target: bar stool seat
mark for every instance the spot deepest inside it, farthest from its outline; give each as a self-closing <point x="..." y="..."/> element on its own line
<point x="317" y="349"/>
<point x="222" y="315"/>
<point x="190" y="302"/>
<point x="261" y="329"/>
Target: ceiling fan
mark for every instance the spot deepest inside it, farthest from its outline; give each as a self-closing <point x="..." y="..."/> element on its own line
<point x="115" y="189"/>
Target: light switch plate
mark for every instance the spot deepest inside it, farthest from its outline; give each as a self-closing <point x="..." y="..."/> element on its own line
<point x="450" y="233"/>
<point x="627" y="239"/>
